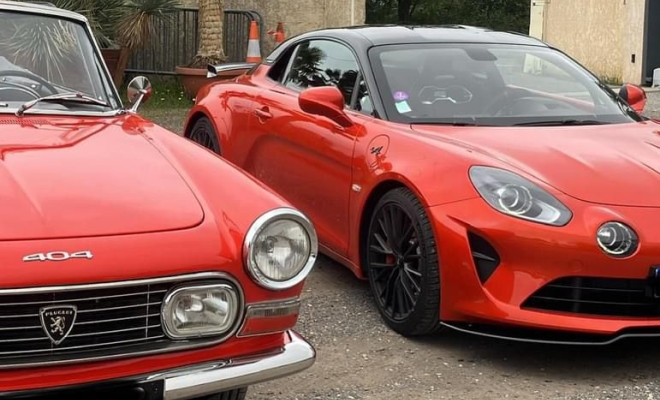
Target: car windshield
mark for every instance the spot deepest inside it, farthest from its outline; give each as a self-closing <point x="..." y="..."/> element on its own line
<point x="491" y="84"/>
<point x="45" y="55"/>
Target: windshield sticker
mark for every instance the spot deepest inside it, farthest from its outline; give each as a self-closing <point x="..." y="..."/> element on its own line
<point x="401" y="96"/>
<point x="402" y="107"/>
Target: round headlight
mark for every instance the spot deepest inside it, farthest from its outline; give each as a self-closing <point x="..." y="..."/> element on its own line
<point x="617" y="239"/>
<point x="280" y="248"/>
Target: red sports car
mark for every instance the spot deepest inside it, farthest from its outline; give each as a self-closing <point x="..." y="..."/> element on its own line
<point x="135" y="264"/>
<point x="479" y="180"/>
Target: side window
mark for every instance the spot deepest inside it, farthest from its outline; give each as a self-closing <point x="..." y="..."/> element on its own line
<point x="323" y="63"/>
<point x="278" y="69"/>
<point x="363" y="102"/>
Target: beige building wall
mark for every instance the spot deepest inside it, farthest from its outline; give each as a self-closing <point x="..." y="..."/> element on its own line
<point x="633" y="41"/>
<point x="600" y="34"/>
<point x="299" y="16"/>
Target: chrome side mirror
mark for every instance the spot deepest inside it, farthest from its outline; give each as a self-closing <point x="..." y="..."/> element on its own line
<point x="138" y="91"/>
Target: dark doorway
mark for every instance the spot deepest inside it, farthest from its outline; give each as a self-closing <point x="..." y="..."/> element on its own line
<point x="652" y="40"/>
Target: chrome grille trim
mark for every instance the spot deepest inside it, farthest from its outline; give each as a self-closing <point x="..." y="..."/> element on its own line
<point x="120" y="307"/>
<point x="112" y="320"/>
<point x="20" y="316"/>
<point x="117" y="284"/>
<point x="28" y="303"/>
<point x="140" y="334"/>
<point x="90" y="346"/>
<point x="116" y="331"/>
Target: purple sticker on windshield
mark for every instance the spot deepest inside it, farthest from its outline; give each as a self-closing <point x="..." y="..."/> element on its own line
<point x="401" y="96"/>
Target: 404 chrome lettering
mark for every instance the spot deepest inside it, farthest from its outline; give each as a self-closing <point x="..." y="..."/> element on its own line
<point x="58" y="256"/>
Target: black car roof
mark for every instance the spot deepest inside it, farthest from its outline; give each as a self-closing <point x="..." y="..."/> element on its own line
<point x="402" y="34"/>
<point x="364" y="36"/>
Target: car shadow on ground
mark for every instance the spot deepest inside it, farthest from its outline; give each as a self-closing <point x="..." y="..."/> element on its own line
<point x="638" y="357"/>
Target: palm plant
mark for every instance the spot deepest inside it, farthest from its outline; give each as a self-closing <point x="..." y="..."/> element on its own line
<point x="210" y="29"/>
<point x="137" y="20"/>
<point x="121" y="24"/>
<point x="45" y="44"/>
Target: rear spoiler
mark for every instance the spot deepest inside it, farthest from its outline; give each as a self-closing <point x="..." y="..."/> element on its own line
<point x="215" y="70"/>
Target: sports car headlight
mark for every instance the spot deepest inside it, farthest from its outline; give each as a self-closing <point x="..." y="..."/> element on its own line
<point x="516" y="196"/>
<point x="201" y="310"/>
<point x="280" y="249"/>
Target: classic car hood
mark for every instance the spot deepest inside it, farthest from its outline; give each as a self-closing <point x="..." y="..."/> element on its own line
<point x="86" y="177"/>
<point x="607" y="164"/>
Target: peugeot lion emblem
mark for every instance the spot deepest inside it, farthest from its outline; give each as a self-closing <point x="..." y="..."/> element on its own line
<point x="58" y="321"/>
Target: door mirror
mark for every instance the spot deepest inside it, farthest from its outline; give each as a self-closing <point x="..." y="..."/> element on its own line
<point x="634" y="95"/>
<point x="326" y="101"/>
<point x="138" y="91"/>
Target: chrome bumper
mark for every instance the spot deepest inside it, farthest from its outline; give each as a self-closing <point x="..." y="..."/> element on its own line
<point x="204" y="379"/>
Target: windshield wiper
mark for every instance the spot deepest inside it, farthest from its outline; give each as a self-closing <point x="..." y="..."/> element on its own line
<point x="61" y="98"/>
<point x="453" y="123"/>
<point x="562" y="122"/>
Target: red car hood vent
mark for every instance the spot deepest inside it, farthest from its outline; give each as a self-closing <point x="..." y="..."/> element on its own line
<point x="87" y="178"/>
<point x="616" y="164"/>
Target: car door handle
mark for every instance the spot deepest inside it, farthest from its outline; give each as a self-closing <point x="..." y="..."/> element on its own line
<point x="263" y="113"/>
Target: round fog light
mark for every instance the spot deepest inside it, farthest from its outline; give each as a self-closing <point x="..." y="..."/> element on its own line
<point x="617" y="239"/>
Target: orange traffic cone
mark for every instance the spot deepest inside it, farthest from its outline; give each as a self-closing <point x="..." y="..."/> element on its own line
<point x="253" y="50"/>
<point x="278" y="34"/>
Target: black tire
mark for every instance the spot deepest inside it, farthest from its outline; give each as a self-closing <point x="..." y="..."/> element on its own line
<point x="401" y="260"/>
<point x="203" y="133"/>
<point x="236" y="394"/>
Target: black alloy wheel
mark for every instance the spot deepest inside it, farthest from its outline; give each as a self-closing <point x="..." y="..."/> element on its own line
<point x="402" y="264"/>
<point x="203" y="133"/>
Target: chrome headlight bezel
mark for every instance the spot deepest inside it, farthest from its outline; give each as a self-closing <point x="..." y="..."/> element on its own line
<point x="630" y="239"/>
<point x="261" y="223"/>
<point x="166" y="310"/>
<point x="537" y="197"/>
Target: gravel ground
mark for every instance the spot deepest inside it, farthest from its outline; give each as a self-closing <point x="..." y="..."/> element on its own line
<point x="359" y="358"/>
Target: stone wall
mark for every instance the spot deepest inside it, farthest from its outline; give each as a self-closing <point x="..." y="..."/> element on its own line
<point x="299" y="16"/>
<point x="601" y="34"/>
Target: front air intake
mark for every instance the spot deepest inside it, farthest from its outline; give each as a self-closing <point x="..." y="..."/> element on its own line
<point x="611" y="297"/>
<point x="484" y="255"/>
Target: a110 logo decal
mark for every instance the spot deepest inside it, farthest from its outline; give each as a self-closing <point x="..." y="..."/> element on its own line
<point x="58" y="256"/>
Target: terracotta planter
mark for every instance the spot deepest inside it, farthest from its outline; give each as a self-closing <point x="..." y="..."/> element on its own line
<point x="116" y="60"/>
<point x="192" y="79"/>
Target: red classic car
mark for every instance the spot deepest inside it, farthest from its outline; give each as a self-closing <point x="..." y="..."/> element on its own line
<point x="136" y="264"/>
<point x="480" y="180"/>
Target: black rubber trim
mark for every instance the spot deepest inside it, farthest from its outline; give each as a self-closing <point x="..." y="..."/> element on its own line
<point x="551" y="336"/>
<point x="124" y="389"/>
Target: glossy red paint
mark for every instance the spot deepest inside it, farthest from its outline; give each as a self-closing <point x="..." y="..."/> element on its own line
<point x="146" y="202"/>
<point x="49" y="377"/>
<point x="332" y="171"/>
<point x="532" y="257"/>
<point x="48" y="195"/>
<point x="325" y="101"/>
<point x="635" y="96"/>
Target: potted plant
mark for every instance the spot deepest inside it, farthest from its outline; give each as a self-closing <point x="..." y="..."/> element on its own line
<point x="136" y="26"/>
<point x="104" y="22"/>
<point x="209" y="51"/>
